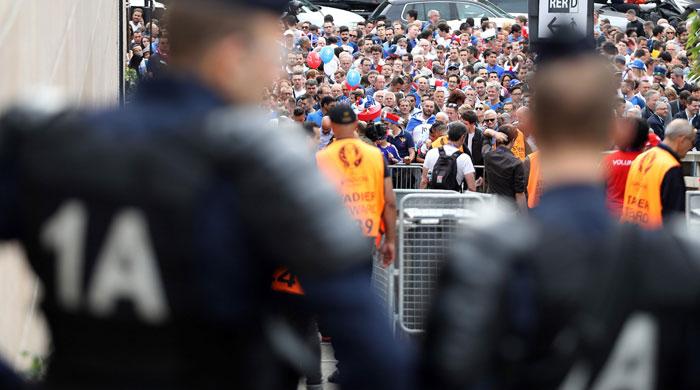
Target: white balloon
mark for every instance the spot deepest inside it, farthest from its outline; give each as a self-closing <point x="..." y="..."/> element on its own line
<point x="331" y="67"/>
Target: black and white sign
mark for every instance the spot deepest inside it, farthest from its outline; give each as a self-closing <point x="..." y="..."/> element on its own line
<point x="550" y="19"/>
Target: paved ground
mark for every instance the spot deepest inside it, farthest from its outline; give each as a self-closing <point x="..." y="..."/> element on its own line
<point x="327" y="367"/>
<point x="23" y="331"/>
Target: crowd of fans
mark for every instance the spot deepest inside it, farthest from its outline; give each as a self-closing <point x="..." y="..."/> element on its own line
<point x="148" y="46"/>
<point x="418" y="75"/>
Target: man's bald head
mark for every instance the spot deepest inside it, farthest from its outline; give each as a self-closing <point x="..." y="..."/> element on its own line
<point x="679" y="136"/>
<point x="572" y="103"/>
<point x="442" y="117"/>
<point x="679" y="128"/>
<point x="522" y="115"/>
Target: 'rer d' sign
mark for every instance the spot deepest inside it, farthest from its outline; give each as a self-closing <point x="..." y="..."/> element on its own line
<point x="553" y="19"/>
<point x="563" y="6"/>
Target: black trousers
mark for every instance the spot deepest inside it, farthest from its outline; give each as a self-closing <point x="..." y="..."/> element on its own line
<point x="305" y="325"/>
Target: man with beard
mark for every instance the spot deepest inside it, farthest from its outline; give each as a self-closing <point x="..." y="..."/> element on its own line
<point x="346" y="40"/>
<point x="419" y="124"/>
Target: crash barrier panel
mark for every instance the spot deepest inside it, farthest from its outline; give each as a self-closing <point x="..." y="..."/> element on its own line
<point x="692" y="208"/>
<point x="692" y="161"/>
<point x="428" y="224"/>
<point x="402" y="193"/>
<point x="408" y="176"/>
<point x="384" y="286"/>
<point x="385" y="279"/>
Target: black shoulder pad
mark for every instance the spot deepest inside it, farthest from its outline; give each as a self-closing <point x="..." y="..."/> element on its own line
<point x="293" y="211"/>
<point x="18" y="121"/>
<point x="462" y="333"/>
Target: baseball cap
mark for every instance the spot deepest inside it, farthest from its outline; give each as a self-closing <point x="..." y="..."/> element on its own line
<point x="637" y="64"/>
<point x="514" y="82"/>
<point x="342" y="114"/>
<point x="659" y="70"/>
<point x="453" y="67"/>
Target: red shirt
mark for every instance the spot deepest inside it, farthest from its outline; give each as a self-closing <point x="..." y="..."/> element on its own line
<point x="617" y="166"/>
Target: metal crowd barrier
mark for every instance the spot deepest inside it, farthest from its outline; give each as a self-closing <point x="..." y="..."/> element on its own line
<point x="385" y="279"/>
<point x="406" y="176"/>
<point x="402" y="193"/>
<point x="692" y="208"/>
<point x="384" y="286"/>
<point x="427" y="227"/>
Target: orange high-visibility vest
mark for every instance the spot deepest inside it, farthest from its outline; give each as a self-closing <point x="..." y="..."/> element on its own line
<point x="642" y="204"/>
<point x="534" y="181"/>
<point x="357" y="171"/>
<point x="442" y="141"/>
<point x="285" y="281"/>
<point x="518" y="148"/>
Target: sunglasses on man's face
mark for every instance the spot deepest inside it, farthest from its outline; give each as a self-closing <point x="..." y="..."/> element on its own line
<point x="479" y="108"/>
<point x="489" y="119"/>
<point x="353" y="35"/>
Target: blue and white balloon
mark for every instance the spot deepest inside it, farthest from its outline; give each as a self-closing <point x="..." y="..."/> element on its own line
<point x="327" y="54"/>
<point x="353" y="77"/>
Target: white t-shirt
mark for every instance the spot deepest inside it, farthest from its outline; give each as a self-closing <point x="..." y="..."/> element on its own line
<point x="470" y="138"/>
<point x="464" y="162"/>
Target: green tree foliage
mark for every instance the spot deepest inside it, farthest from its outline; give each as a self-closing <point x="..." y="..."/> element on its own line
<point x="692" y="47"/>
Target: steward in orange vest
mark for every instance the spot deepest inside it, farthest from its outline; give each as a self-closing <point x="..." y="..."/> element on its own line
<point x="359" y="172"/>
<point x="520" y="148"/>
<point x="655" y="186"/>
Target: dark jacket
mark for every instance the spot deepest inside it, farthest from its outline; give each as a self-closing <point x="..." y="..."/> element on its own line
<point x="695" y="124"/>
<point x="567" y="276"/>
<point x="637" y="26"/>
<point x="657" y="125"/>
<point x="214" y="282"/>
<point x="503" y="173"/>
<point x="676" y="107"/>
<point x="475" y="154"/>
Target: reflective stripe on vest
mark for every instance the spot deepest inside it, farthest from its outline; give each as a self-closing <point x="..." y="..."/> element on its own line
<point x="285" y="281"/>
<point x="357" y="171"/>
<point x="534" y="181"/>
<point x="642" y="204"/>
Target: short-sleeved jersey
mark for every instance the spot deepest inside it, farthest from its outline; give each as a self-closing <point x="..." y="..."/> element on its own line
<point x="464" y="162"/>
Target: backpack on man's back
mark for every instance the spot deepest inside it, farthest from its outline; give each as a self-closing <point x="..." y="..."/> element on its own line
<point x="444" y="174"/>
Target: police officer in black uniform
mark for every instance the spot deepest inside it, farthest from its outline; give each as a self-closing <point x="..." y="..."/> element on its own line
<point x="539" y="302"/>
<point x="156" y="238"/>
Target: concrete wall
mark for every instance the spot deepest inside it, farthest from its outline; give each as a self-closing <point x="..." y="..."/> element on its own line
<point x="71" y="46"/>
